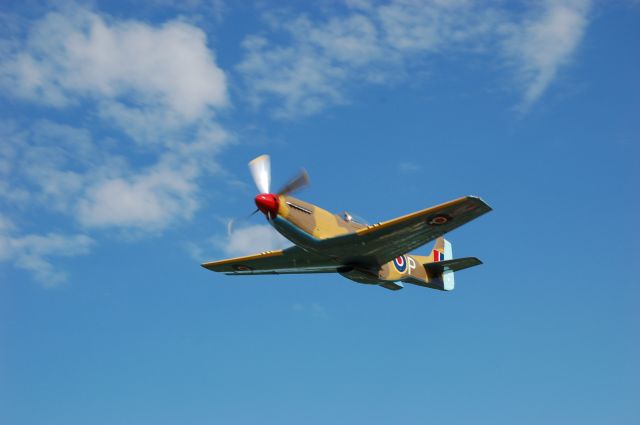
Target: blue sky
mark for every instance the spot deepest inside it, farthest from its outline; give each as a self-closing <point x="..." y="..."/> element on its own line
<point x="125" y="131"/>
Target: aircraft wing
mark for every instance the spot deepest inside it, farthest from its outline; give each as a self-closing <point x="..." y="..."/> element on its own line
<point x="382" y="242"/>
<point x="288" y="261"/>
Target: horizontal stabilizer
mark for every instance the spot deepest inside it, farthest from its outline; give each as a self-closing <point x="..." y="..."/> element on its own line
<point x="456" y="264"/>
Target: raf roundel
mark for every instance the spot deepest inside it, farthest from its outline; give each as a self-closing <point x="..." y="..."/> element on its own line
<point x="439" y="220"/>
<point x="400" y="263"/>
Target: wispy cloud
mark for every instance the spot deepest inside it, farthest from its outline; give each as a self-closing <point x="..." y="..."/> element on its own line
<point x="541" y="45"/>
<point x="160" y="85"/>
<point x="33" y="252"/>
<point x="318" y="59"/>
<point x="156" y="88"/>
<point x="241" y="239"/>
<point x="252" y="239"/>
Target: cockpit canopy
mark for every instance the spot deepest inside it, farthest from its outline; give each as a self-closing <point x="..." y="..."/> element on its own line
<point x="347" y="216"/>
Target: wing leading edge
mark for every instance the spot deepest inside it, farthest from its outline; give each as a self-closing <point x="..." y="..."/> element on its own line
<point x="382" y="242"/>
<point x="287" y="261"/>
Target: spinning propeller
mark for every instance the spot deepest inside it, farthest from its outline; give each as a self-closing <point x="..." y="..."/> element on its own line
<point x="269" y="203"/>
<point x="266" y="201"/>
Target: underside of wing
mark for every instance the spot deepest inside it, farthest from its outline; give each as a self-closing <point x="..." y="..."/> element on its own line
<point x="288" y="261"/>
<point x="382" y="242"/>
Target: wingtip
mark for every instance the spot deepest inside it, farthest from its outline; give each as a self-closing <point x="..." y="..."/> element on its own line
<point x="479" y="199"/>
<point x="206" y="265"/>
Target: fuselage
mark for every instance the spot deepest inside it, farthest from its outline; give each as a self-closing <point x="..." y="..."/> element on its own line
<point x="308" y="225"/>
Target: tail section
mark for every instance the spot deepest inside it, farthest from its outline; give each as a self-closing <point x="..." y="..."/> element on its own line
<point x="441" y="267"/>
<point x="435" y="270"/>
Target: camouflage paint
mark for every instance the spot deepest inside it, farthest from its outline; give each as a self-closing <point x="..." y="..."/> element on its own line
<point x="326" y="242"/>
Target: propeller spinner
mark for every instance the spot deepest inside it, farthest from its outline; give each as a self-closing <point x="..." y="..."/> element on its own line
<point x="269" y="203"/>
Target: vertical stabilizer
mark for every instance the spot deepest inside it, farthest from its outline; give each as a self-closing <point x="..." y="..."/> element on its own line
<point x="443" y="251"/>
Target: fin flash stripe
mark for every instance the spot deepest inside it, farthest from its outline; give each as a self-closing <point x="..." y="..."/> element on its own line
<point x="437" y="255"/>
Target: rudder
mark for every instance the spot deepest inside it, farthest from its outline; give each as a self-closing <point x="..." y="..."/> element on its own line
<point x="443" y="251"/>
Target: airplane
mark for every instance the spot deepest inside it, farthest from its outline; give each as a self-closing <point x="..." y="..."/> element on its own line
<point x="375" y="254"/>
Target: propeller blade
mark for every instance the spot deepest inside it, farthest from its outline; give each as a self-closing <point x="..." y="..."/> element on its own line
<point x="296" y="183"/>
<point x="233" y="221"/>
<point x="261" y="172"/>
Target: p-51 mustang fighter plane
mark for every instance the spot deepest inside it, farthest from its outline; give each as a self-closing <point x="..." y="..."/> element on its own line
<point x="371" y="254"/>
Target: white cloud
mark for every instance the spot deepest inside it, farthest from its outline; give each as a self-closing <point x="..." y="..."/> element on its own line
<point x="42" y="163"/>
<point x="62" y="170"/>
<point x="159" y="84"/>
<point x="307" y="74"/>
<point x="542" y="45"/>
<point x="33" y="253"/>
<point x="156" y="85"/>
<point x="302" y="79"/>
<point x="253" y="239"/>
<point x="145" y="201"/>
<point x="414" y="26"/>
<point x="373" y="43"/>
<point x="80" y="54"/>
<point x="348" y="40"/>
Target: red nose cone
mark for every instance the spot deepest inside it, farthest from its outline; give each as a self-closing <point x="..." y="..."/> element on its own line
<point x="268" y="204"/>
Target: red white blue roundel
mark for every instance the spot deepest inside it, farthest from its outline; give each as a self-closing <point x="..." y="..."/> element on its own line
<point x="400" y="263"/>
<point x="439" y="220"/>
